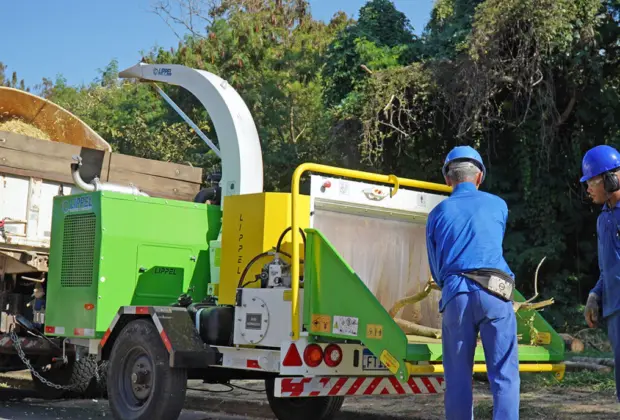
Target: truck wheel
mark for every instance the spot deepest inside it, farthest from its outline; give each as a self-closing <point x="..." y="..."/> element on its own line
<point x="303" y="408"/>
<point x="141" y="384"/>
<point x="98" y="388"/>
<point x="74" y="374"/>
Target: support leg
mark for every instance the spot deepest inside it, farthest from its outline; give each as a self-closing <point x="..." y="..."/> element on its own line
<point x="459" y="343"/>
<point x="613" y="332"/>
<point x="498" y="331"/>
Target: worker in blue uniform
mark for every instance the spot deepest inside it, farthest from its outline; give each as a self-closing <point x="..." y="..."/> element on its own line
<point x="464" y="239"/>
<point x="600" y="168"/>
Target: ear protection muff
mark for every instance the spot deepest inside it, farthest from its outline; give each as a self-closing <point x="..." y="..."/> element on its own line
<point x="610" y="182"/>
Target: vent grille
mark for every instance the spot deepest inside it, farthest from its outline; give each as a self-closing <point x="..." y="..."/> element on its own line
<point x="78" y="250"/>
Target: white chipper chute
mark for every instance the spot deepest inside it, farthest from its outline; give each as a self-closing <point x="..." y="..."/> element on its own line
<point x="242" y="162"/>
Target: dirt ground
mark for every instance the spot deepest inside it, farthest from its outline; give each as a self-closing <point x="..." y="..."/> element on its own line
<point x="18" y="402"/>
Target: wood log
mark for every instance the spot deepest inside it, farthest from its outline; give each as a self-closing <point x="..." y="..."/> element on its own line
<point x="573" y="344"/>
<point x="570" y="365"/>
<point x="415" y="329"/>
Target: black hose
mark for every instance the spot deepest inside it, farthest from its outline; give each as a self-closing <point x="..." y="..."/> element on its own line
<point x="241" y="285"/>
<point x="247" y="267"/>
<point x="281" y="238"/>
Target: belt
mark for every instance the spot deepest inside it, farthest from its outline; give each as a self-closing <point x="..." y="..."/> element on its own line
<point x="494" y="281"/>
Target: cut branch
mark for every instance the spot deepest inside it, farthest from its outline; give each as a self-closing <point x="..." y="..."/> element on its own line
<point x="416" y="329"/>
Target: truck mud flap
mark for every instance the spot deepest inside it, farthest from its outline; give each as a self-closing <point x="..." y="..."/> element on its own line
<point x="177" y="332"/>
<point x="329" y="386"/>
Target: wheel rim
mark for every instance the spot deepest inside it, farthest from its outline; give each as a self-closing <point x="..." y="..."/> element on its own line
<point x="136" y="379"/>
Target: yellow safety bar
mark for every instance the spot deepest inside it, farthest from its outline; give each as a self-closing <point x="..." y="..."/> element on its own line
<point x="345" y="173"/>
<point x="557" y="368"/>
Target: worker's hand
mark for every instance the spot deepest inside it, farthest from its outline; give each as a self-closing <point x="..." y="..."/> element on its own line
<point x="591" y="312"/>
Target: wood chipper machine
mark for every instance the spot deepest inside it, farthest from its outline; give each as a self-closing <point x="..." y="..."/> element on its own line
<point x="290" y="288"/>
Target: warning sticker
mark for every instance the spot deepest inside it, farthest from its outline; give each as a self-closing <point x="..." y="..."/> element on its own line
<point x="543" y="338"/>
<point x="374" y="331"/>
<point x="320" y="323"/>
<point x="345" y="325"/>
<point x="389" y="361"/>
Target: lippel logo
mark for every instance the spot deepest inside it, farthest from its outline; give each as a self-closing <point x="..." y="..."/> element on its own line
<point x="76" y="204"/>
<point x="162" y="71"/>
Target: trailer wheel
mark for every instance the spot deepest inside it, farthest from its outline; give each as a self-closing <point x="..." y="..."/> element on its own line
<point x="302" y="408"/>
<point x="141" y="384"/>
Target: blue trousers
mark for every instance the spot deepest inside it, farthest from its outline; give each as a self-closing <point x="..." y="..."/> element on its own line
<point x="463" y="317"/>
<point x="613" y="332"/>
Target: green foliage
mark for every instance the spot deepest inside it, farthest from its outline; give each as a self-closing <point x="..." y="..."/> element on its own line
<point x="532" y="84"/>
<point x="382" y="37"/>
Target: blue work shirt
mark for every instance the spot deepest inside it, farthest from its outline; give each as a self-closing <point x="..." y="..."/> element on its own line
<point x="465" y="232"/>
<point x="608" y="285"/>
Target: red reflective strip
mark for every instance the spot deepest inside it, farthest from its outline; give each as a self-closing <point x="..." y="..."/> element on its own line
<point x="337" y="386"/>
<point x="105" y="337"/>
<point x="252" y="364"/>
<point x="429" y="385"/>
<point x="294" y="386"/>
<point x="49" y="330"/>
<point x="142" y="310"/>
<point x="375" y="382"/>
<point x="413" y="386"/>
<point x="78" y="331"/>
<point x="356" y="385"/>
<point x="399" y="389"/>
<point x="166" y="341"/>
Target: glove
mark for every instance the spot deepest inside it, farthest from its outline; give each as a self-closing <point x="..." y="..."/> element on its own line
<point x="591" y="311"/>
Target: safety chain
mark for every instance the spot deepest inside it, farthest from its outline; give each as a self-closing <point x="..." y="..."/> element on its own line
<point x="22" y="356"/>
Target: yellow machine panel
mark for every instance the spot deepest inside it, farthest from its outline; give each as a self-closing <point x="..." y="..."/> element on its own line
<point x="251" y="225"/>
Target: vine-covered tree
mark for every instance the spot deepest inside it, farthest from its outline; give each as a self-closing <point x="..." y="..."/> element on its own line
<point x="531" y="84"/>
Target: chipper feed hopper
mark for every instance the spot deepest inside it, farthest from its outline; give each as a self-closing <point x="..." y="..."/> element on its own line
<point x="290" y="288"/>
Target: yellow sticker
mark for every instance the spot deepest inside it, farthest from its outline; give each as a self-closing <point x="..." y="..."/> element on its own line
<point x="321" y="323"/>
<point x="287" y="296"/>
<point x="389" y="361"/>
<point x="374" y="331"/>
<point x="543" y="338"/>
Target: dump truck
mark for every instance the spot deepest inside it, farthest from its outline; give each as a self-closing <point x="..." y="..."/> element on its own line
<point x="38" y="140"/>
<point x="291" y="288"/>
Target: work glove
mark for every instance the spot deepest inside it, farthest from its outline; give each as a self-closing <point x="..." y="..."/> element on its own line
<point x="591" y="311"/>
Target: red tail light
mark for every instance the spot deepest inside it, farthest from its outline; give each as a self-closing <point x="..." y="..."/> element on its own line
<point x="292" y="357"/>
<point x="313" y="355"/>
<point x="333" y="355"/>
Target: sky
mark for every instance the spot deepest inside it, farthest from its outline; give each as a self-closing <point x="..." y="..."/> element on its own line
<point x="75" y="38"/>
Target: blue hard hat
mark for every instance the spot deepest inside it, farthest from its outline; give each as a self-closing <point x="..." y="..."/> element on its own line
<point x="464" y="153"/>
<point x="597" y="160"/>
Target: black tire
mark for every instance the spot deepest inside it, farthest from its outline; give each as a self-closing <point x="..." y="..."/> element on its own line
<point x="99" y="388"/>
<point x="139" y="355"/>
<point x="76" y="374"/>
<point x="303" y="408"/>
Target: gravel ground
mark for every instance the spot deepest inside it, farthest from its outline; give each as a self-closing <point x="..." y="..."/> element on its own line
<point x="18" y="402"/>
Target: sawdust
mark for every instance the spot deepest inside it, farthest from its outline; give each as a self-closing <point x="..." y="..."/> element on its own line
<point x="21" y="127"/>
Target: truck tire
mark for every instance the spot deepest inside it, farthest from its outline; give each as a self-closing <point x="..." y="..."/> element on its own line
<point x="303" y="408"/>
<point x="75" y="374"/>
<point x="141" y="384"/>
<point x="99" y="388"/>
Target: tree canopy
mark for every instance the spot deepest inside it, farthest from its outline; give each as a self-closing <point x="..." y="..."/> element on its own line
<point x="531" y="84"/>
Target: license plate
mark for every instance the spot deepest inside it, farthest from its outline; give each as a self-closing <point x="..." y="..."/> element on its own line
<point x="371" y="362"/>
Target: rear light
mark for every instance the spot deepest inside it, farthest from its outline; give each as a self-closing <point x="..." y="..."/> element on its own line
<point x="313" y="355"/>
<point x="333" y="355"/>
<point x="292" y="357"/>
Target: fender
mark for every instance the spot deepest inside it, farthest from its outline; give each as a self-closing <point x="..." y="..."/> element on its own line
<point x="177" y="332"/>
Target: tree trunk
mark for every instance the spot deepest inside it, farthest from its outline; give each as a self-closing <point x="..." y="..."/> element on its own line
<point x="573" y="344"/>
